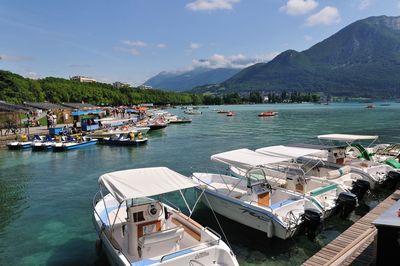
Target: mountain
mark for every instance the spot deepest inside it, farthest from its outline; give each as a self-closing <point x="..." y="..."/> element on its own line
<point x="362" y="59"/>
<point x="188" y="80"/>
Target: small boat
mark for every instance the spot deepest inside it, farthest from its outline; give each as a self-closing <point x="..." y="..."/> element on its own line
<point x="180" y="120"/>
<point x="74" y="143"/>
<point x="192" y="112"/>
<point x="252" y="201"/>
<point x="23" y="144"/>
<point x="370" y="106"/>
<point x="19" y="145"/>
<point x="106" y="133"/>
<point x="41" y="143"/>
<point x="126" y="139"/>
<point x="138" y="226"/>
<point x="157" y="125"/>
<point x="222" y="111"/>
<point x="230" y="114"/>
<point x="267" y="113"/>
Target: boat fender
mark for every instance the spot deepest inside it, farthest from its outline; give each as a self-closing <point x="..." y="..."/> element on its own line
<point x="140" y="136"/>
<point x="99" y="248"/>
<point x="359" y="188"/>
<point x="312" y="222"/>
<point x="270" y="229"/>
<point x="346" y="203"/>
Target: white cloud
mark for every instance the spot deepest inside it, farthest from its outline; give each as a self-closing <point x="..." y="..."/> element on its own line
<point x="134" y="43"/>
<point x="194" y="45"/>
<point x="326" y="16"/>
<point x="363" y="4"/>
<point x="161" y="45"/>
<point x="202" y="5"/>
<point x="398" y="5"/>
<point x="14" y="58"/>
<point x="233" y="61"/>
<point x="299" y="7"/>
<point x="308" y="38"/>
<point x="131" y="47"/>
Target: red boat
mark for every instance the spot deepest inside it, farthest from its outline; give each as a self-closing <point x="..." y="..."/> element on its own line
<point x="230" y="114"/>
<point x="268" y="113"/>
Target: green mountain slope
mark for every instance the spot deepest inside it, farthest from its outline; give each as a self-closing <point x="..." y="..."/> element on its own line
<point x="17" y="89"/>
<point x="362" y="59"/>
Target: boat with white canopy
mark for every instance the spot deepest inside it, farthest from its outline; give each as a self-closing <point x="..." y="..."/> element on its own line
<point x="136" y="227"/>
<point x="252" y="201"/>
<point x="357" y="157"/>
<point x="307" y="162"/>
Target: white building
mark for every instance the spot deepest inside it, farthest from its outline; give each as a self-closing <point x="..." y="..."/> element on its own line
<point x="83" y="79"/>
<point x="145" y="87"/>
<point x="119" y="84"/>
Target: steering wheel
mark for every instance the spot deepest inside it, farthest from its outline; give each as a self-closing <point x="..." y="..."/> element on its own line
<point x="155" y="209"/>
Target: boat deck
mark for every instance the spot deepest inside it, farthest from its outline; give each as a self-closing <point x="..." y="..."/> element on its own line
<point x="356" y="245"/>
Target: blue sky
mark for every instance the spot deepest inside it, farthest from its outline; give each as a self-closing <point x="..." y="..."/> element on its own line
<point x="132" y="40"/>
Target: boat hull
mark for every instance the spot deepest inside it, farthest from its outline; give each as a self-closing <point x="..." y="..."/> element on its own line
<point x="124" y="143"/>
<point x="19" y="145"/>
<point x="74" y="146"/>
<point x="247" y="214"/>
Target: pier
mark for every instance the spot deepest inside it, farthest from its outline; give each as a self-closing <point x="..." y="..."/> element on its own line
<point x="356" y="245"/>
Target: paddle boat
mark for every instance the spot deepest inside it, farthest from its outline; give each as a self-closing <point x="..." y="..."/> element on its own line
<point x="267" y="113"/>
<point x="72" y="143"/>
<point x="361" y="161"/>
<point x="138" y="226"/>
<point x="251" y="200"/>
<point x="125" y="139"/>
<point x="42" y="143"/>
<point x="23" y="144"/>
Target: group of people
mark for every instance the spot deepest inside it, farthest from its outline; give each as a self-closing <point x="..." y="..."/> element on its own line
<point x="31" y="119"/>
<point x="51" y="119"/>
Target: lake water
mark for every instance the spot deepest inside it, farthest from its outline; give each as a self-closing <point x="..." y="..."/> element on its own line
<point x="45" y="198"/>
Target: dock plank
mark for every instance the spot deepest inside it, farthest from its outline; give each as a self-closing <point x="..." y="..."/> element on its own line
<point x="355" y="246"/>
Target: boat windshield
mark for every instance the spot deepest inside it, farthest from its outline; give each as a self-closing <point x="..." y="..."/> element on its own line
<point x="255" y="176"/>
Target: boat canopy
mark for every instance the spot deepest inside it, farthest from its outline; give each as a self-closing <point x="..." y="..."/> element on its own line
<point x="144" y="182"/>
<point x="346" y="137"/>
<point x="287" y="151"/>
<point x="246" y="159"/>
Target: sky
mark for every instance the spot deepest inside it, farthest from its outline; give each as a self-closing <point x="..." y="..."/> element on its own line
<point x="133" y="40"/>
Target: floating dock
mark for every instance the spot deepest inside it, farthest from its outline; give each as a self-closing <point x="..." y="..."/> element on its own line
<point x="356" y="245"/>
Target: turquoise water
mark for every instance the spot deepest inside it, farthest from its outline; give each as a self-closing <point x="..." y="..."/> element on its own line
<point x="45" y="198"/>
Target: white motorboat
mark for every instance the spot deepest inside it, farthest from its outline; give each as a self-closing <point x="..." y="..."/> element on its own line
<point x="346" y="154"/>
<point x="306" y="162"/>
<point x="135" y="229"/>
<point x="106" y="133"/>
<point x="252" y="201"/>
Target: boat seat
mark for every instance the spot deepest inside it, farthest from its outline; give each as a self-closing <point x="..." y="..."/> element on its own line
<point x="159" y="243"/>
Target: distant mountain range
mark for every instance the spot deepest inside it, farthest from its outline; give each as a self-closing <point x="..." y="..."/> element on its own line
<point x="185" y="81"/>
<point x="362" y="59"/>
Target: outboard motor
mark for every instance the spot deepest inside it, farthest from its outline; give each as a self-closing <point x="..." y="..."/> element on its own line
<point x="393" y="179"/>
<point x="360" y="187"/>
<point x="346" y="203"/>
<point x="312" y="222"/>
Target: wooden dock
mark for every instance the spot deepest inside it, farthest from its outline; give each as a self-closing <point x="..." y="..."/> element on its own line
<point x="356" y="245"/>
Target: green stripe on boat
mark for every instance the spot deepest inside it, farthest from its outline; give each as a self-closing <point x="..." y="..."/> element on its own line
<point x="321" y="190"/>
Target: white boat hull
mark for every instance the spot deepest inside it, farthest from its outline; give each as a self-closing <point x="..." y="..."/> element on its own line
<point x="248" y="215"/>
